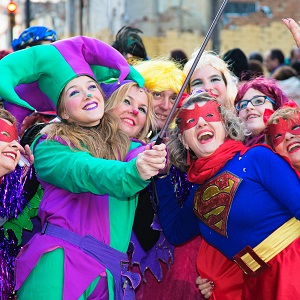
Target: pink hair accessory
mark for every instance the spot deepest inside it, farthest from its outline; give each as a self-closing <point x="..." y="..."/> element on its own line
<point x="267" y="115"/>
<point x="290" y="103"/>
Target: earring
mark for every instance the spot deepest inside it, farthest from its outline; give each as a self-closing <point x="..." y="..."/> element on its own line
<point x="188" y="157"/>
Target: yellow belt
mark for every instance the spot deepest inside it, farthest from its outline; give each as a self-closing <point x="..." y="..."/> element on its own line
<point x="254" y="261"/>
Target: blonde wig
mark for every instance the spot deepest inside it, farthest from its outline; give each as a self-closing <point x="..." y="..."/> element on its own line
<point x="161" y="74"/>
<point x="212" y="59"/>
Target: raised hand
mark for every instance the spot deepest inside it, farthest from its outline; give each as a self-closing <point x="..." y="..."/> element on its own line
<point x="151" y="160"/>
<point x="294" y="28"/>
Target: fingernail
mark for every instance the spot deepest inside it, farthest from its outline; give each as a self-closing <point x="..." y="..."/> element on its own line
<point x="212" y="284"/>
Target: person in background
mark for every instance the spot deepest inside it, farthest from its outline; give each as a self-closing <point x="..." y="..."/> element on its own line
<point x="164" y="79"/>
<point x="3" y="53"/>
<point x="294" y="55"/>
<point x="33" y="36"/>
<point x="30" y="37"/>
<point x="213" y="75"/>
<point x="178" y="56"/>
<point x="288" y="80"/>
<point x="12" y="200"/>
<point x="87" y="141"/>
<point x="256" y="55"/>
<point x="238" y="63"/>
<point x="273" y="59"/>
<point x="129" y="43"/>
<point x="256" y="68"/>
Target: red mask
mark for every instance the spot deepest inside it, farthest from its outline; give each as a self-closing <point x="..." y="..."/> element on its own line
<point x="8" y="133"/>
<point x="277" y="131"/>
<point x="189" y="117"/>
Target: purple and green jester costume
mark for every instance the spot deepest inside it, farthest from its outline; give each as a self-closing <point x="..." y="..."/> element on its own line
<point x="89" y="203"/>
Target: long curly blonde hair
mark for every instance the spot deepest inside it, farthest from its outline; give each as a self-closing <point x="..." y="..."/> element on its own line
<point x="104" y="140"/>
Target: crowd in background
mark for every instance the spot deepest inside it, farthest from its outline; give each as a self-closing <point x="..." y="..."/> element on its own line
<point x="94" y="207"/>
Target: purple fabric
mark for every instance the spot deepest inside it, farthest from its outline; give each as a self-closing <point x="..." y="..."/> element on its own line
<point x="115" y="261"/>
<point x="109" y="88"/>
<point x="79" y="213"/>
<point x="60" y="207"/>
<point x="81" y="52"/>
<point x="161" y="251"/>
<point x="32" y="94"/>
<point x="134" y="152"/>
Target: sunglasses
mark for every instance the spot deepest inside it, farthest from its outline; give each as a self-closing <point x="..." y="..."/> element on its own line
<point x="255" y="101"/>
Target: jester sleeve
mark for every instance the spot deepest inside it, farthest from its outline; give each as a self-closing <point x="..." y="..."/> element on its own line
<point x="79" y="172"/>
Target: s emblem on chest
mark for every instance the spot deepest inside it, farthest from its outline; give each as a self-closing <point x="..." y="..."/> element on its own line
<point x="212" y="201"/>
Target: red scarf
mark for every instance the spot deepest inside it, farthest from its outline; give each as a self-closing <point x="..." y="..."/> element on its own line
<point x="206" y="167"/>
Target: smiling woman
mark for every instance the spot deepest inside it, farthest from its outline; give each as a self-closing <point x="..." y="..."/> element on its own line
<point x="12" y="201"/>
<point x="221" y="204"/>
<point x="134" y="108"/>
<point x="89" y="170"/>
<point x="213" y="75"/>
<point x="283" y="133"/>
<point x="9" y="146"/>
<point x="252" y="99"/>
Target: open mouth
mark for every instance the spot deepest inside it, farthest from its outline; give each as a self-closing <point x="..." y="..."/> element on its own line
<point x="128" y="121"/>
<point x="161" y="117"/>
<point x="90" y="106"/>
<point x="249" y="117"/>
<point x="205" y="136"/>
<point x="293" y="147"/>
<point x="11" y="155"/>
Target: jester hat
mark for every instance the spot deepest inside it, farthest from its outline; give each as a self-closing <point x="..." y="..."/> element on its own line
<point x="54" y="65"/>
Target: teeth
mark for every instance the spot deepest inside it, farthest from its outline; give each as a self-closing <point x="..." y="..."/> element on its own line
<point x="93" y="105"/>
<point x="205" y="136"/>
<point x="128" y="121"/>
<point x="297" y="145"/>
<point x="161" y="117"/>
<point x="252" y="117"/>
<point x="10" y="155"/>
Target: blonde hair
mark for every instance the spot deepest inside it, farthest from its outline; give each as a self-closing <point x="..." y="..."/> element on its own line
<point x="104" y="140"/>
<point x="6" y="115"/>
<point x="118" y="96"/>
<point x="161" y="74"/>
<point x="212" y="59"/>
